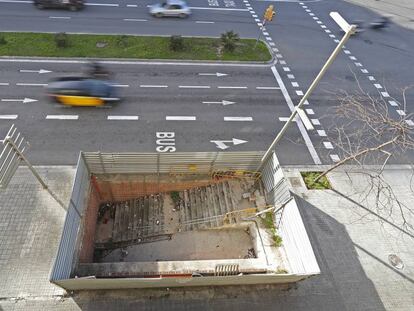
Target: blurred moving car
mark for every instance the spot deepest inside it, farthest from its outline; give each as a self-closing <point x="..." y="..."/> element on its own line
<point x="175" y="8"/>
<point x="73" y="5"/>
<point x="81" y="91"/>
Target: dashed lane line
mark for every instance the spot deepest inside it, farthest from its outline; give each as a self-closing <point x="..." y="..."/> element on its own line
<point x="4" y="84"/>
<point x="180" y="118"/>
<point x="267" y="88"/>
<point x="123" y="118"/>
<point x="194" y="86"/>
<point x="204" y="22"/>
<point x="153" y="86"/>
<point x="8" y="116"/>
<point x="135" y="20"/>
<point x="59" y="17"/>
<point x="239" y="119"/>
<point x="232" y="87"/>
<point x="61" y="117"/>
<point x="31" y="84"/>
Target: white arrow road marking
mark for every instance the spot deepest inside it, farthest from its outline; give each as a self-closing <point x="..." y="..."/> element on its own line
<point x="238" y="119"/>
<point x="37" y="71"/>
<point x="61" y="117"/>
<point x="217" y="74"/>
<point x="223" y="102"/>
<point x="221" y="143"/>
<point x="8" y="116"/>
<point x="24" y="100"/>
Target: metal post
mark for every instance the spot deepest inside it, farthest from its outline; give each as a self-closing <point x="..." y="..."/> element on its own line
<point x="11" y="142"/>
<point x="260" y="33"/>
<point x="315" y="82"/>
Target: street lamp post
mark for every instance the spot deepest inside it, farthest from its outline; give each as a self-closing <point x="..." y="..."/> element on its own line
<point x="349" y="30"/>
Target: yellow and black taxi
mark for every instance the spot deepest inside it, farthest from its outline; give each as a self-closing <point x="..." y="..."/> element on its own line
<point x="81" y="91"/>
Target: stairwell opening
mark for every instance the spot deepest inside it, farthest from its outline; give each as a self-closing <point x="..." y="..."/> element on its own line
<point x="147" y="225"/>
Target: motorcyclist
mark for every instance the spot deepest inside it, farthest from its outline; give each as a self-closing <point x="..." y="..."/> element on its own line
<point x="96" y="70"/>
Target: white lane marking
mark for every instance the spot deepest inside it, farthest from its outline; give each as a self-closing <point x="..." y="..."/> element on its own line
<point x="307" y="10"/>
<point x="59" y="17"/>
<point x="306" y="103"/>
<point x="121" y="118"/>
<point x="315" y="122"/>
<point x="154" y="86"/>
<point x="232" y="87"/>
<point x="135" y="20"/>
<point x="31" y="84"/>
<point x="409" y="122"/>
<point x="378" y="86"/>
<point x="393" y="103"/>
<point x="310" y="111"/>
<point x="352" y="57"/>
<point x="218" y="9"/>
<point x="336" y="41"/>
<point x="282" y="62"/>
<point x="301" y="127"/>
<point x="15" y="1"/>
<point x="272" y="44"/>
<point x="347" y="52"/>
<point x="279" y="55"/>
<point x="358" y="64"/>
<point x="299" y="93"/>
<point x="323" y="26"/>
<point x="217" y="74"/>
<point x="332" y="36"/>
<point x="319" y="22"/>
<point x="259" y="24"/>
<point x="371" y="78"/>
<point x="327" y="31"/>
<point x="101" y="4"/>
<point x="120" y="85"/>
<point x="194" y="86"/>
<point x="180" y="118"/>
<point x="132" y="5"/>
<point x="223" y="102"/>
<point x="61" y="117"/>
<point x="257" y="20"/>
<point x="8" y="116"/>
<point x="238" y="119"/>
<point x="265" y="33"/>
<point x="267" y="88"/>
<point x="204" y="22"/>
<point x="35" y="71"/>
<point x="334" y="157"/>
<point x="315" y="18"/>
<point x="385" y="94"/>
<point x="284" y="119"/>
<point x="322" y="133"/>
<point x="311" y="14"/>
<point x="24" y="100"/>
<point x="295" y="84"/>
<point x="328" y="145"/>
<point x="5" y="84"/>
<point x="304" y="6"/>
<point x="275" y="49"/>
<point x="290" y="76"/>
<point x="268" y="39"/>
<point x="287" y="69"/>
<point x="254" y="15"/>
<point x="248" y="4"/>
<point x="401" y="112"/>
<point x="364" y="71"/>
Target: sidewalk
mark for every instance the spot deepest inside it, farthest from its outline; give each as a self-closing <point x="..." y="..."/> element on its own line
<point x="400" y="11"/>
<point x="351" y="245"/>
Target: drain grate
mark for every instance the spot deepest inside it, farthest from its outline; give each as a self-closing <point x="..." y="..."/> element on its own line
<point x="226" y="270"/>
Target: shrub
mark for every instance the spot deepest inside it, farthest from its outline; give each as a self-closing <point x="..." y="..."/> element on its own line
<point x="229" y="40"/>
<point x="176" y="43"/>
<point x="2" y="40"/>
<point x="61" y="40"/>
<point x="122" y="41"/>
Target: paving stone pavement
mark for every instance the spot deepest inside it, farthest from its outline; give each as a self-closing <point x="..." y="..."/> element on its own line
<point x="351" y="246"/>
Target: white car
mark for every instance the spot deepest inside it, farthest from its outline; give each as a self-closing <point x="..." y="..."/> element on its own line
<point x="176" y="8"/>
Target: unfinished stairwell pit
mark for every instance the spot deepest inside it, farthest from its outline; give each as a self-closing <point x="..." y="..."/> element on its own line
<point x="180" y="226"/>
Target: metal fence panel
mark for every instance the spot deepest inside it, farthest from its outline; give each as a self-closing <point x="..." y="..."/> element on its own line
<point x="277" y="188"/>
<point x="65" y="258"/>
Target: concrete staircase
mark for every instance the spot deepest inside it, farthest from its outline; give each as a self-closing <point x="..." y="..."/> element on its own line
<point x="139" y="218"/>
<point x="205" y="207"/>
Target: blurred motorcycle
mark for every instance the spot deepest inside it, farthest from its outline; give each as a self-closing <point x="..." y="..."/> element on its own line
<point x="381" y="23"/>
<point x="97" y="71"/>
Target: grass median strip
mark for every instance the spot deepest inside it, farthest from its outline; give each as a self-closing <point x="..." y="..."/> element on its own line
<point x="122" y="46"/>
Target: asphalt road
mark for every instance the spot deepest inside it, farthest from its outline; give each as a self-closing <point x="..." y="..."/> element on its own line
<point x="182" y="99"/>
<point x="301" y="38"/>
